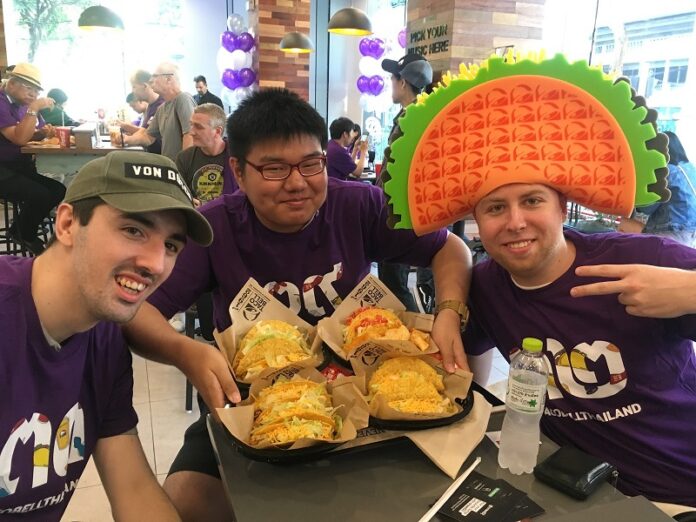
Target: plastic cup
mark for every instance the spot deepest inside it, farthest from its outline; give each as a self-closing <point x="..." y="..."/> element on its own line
<point x="378" y="169"/>
<point x="63" y="134"/>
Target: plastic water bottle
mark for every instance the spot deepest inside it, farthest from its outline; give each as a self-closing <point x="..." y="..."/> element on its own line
<point x="524" y="404"/>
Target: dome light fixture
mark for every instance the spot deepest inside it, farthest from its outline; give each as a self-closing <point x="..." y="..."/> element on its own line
<point x="295" y="42"/>
<point x="350" y="21"/>
<point x="99" y="17"/>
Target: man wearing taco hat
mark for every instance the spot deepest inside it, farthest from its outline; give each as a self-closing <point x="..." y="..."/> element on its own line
<point x="66" y="369"/>
<point x="512" y="140"/>
<point x="20" y="122"/>
<point x="410" y="76"/>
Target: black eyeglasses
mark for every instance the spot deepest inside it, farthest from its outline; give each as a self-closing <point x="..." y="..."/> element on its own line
<point x="279" y="171"/>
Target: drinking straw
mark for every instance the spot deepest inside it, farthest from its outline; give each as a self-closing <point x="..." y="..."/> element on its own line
<point x="122" y="141"/>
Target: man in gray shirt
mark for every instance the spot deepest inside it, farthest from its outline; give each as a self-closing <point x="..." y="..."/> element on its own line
<point x="171" y="122"/>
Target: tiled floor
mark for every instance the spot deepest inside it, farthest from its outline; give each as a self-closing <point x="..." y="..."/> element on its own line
<point x="158" y="397"/>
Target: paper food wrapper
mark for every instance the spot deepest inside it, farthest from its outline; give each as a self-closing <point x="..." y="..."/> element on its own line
<point x="368" y="358"/>
<point x="447" y="447"/>
<point x="344" y="396"/>
<point x="251" y="305"/>
<point x="372" y="292"/>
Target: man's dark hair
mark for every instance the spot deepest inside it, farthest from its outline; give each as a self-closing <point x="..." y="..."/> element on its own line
<point x="415" y="90"/>
<point x="200" y="78"/>
<point x="677" y="154"/>
<point x="272" y="114"/>
<point x="141" y="76"/>
<point x="83" y="210"/>
<point x="130" y="98"/>
<point x="339" y="126"/>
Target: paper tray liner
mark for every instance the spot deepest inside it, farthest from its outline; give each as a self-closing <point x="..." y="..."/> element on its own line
<point x="372" y="292"/>
<point x="368" y="359"/>
<point x="344" y="395"/>
<point x="251" y="305"/>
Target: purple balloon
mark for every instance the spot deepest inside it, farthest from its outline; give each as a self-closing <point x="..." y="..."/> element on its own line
<point x="363" y="84"/>
<point x="402" y="38"/>
<point x="245" y="42"/>
<point x="364" y="47"/>
<point x="376" y="85"/>
<point x="228" y="40"/>
<point x="246" y="77"/>
<point x="376" y="48"/>
<point x="230" y="79"/>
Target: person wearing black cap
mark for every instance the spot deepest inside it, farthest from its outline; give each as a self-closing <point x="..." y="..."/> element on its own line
<point x="67" y="370"/>
<point x="410" y="75"/>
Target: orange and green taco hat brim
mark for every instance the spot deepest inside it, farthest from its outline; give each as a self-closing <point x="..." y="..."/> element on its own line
<point x="565" y="125"/>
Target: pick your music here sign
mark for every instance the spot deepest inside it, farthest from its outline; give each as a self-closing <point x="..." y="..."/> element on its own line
<point x="430" y="37"/>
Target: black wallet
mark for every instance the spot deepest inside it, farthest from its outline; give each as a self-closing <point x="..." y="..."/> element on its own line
<point x="574" y="472"/>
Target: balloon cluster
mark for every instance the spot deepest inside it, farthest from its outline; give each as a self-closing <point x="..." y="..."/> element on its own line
<point x="372" y="80"/>
<point x="234" y="61"/>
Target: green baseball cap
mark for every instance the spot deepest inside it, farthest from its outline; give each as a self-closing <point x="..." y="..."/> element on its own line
<point x="134" y="181"/>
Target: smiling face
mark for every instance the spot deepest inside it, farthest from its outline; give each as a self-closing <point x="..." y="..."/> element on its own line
<point x="120" y="259"/>
<point x="521" y="227"/>
<point x="283" y="205"/>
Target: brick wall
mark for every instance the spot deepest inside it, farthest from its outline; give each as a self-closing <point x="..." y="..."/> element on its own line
<point x="271" y="19"/>
<point x="477" y="27"/>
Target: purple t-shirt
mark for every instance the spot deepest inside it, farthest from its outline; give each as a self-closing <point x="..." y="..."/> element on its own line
<point x="339" y="164"/>
<point x="11" y="114"/>
<point x="156" y="147"/>
<point x="309" y="271"/>
<point x="56" y="404"/>
<point x="621" y="387"/>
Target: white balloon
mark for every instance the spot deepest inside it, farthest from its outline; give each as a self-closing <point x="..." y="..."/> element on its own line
<point x="367" y="102"/>
<point x="224" y="60"/>
<point x="369" y="66"/>
<point x="228" y="97"/>
<point x="240" y="59"/>
<point x="235" y="23"/>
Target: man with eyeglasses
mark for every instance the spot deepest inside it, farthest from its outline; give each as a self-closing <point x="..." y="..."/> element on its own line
<point x="307" y="238"/>
<point x="172" y="121"/>
<point x="20" y="122"/>
<point x="140" y="85"/>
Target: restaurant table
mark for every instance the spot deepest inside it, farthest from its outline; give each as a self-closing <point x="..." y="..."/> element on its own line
<point x="390" y="481"/>
<point x="56" y="162"/>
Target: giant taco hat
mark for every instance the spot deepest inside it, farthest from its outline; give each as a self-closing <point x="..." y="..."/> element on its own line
<point x="526" y="119"/>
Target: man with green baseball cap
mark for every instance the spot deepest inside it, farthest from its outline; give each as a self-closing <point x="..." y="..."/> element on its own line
<point x="66" y="364"/>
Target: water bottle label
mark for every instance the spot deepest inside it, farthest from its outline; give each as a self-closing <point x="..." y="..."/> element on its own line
<point x="525" y="397"/>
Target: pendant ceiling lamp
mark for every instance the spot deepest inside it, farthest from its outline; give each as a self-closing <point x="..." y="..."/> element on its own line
<point x="295" y="42"/>
<point x="350" y="21"/>
<point x="99" y="17"/>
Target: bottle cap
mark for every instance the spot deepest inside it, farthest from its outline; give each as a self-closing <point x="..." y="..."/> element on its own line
<point x="532" y="344"/>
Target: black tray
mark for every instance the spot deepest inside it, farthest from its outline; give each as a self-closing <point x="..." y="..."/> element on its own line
<point x="243" y="387"/>
<point x="280" y="456"/>
<point x="467" y="404"/>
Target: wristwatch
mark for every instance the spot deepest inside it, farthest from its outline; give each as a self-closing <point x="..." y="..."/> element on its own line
<point x="457" y="306"/>
<point x="32" y="113"/>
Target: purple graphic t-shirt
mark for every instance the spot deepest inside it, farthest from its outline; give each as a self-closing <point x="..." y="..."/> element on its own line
<point x="621" y="387"/>
<point x="56" y="404"/>
<point x="309" y="271"/>
<point x="11" y="113"/>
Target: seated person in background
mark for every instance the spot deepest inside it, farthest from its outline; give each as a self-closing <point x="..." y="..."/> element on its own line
<point x="20" y="122"/>
<point x="206" y="166"/>
<point x="309" y="239"/>
<point x="616" y="328"/>
<point x="203" y="94"/>
<point x="675" y="218"/>
<point x="140" y="108"/>
<point x="340" y="164"/>
<point x="63" y="359"/>
<point x="56" y="115"/>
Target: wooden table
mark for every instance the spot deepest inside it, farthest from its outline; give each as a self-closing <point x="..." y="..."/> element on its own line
<point x="63" y="164"/>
